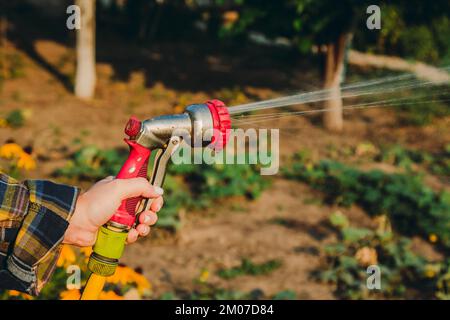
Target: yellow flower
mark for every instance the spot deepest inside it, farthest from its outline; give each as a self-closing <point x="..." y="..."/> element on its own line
<point x="125" y="275"/>
<point x="14" y="293"/>
<point x="73" y="294"/>
<point x="429" y="273"/>
<point x="67" y="257"/>
<point x="11" y="150"/>
<point x="431" y="270"/>
<point x="141" y="282"/>
<point x="178" y="108"/>
<point x="26" y="161"/>
<point x="204" y="276"/>
<point x="3" y="123"/>
<point x="122" y="275"/>
<point x="433" y="238"/>
<point x="86" y="251"/>
<point x="14" y="151"/>
<point x="366" y="256"/>
<point x="230" y="17"/>
<point x="109" y="295"/>
<point x="27" y="296"/>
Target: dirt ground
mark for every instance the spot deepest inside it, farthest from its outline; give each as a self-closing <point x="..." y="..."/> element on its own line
<point x="219" y="237"/>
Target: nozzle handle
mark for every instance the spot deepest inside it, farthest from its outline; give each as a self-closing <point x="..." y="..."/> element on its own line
<point x="135" y="166"/>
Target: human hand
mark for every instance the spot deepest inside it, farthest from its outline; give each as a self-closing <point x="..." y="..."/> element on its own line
<point x="97" y="205"/>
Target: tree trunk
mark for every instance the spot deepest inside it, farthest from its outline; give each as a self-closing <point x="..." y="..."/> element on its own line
<point x="85" y="74"/>
<point x="334" y="67"/>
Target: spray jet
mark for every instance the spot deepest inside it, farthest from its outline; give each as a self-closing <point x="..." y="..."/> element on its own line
<point x="209" y="122"/>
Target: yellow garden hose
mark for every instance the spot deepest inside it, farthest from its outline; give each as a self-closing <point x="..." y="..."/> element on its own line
<point x="104" y="259"/>
<point x="94" y="287"/>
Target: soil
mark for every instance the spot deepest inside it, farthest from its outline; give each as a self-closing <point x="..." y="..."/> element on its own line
<point x="220" y="236"/>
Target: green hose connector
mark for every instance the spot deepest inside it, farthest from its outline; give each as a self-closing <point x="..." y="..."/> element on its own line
<point x="107" y="251"/>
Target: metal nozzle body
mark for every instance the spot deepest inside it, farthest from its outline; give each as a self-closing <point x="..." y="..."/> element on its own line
<point x="195" y="121"/>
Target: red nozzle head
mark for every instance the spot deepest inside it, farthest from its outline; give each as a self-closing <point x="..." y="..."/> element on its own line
<point x="133" y="127"/>
<point x="221" y="123"/>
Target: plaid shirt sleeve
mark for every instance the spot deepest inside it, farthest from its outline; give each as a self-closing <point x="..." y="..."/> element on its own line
<point x="34" y="216"/>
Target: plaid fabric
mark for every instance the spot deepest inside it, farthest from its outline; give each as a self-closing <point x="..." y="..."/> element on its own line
<point x="34" y="216"/>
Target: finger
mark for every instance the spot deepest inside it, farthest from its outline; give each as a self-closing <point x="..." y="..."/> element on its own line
<point x="157" y="204"/>
<point x="143" y="230"/>
<point x="134" y="187"/>
<point x="148" y="217"/>
<point x="133" y="235"/>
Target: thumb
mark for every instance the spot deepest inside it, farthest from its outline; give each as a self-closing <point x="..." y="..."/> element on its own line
<point x="135" y="187"/>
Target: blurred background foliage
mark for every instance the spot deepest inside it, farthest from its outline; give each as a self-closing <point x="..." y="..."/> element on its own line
<point x="414" y="29"/>
<point x="401" y="200"/>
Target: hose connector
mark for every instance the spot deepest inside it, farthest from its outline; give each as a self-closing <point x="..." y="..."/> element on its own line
<point x="107" y="250"/>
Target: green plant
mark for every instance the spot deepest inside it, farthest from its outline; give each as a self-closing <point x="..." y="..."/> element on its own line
<point x="413" y="207"/>
<point x="190" y="187"/>
<point x="441" y="27"/>
<point x="209" y="291"/>
<point x="91" y="163"/>
<point x="12" y="66"/>
<point x="209" y="182"/>
<point x="418" y="42"/>
<point x="443" y="281"/>
<point x="15" y="118"/>
<point x="404" y="274"/>
<point x="247" y="267"/>
<point x="437" y="163"/>
<point x="285" y="295"/>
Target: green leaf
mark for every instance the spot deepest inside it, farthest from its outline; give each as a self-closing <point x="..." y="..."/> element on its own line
<point x="339" y="220"/>
<point x="351" y="234"/>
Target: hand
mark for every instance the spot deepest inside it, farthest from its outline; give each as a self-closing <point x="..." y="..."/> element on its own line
<point x="97" y="205"/>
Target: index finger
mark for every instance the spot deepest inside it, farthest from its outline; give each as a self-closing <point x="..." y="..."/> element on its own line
<point x="135" y="187"/>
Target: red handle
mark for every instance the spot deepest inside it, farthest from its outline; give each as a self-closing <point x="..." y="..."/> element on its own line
<point x="135" y="166"/>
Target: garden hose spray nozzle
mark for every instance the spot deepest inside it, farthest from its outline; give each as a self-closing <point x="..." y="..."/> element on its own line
<point x="209" y="123"/>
